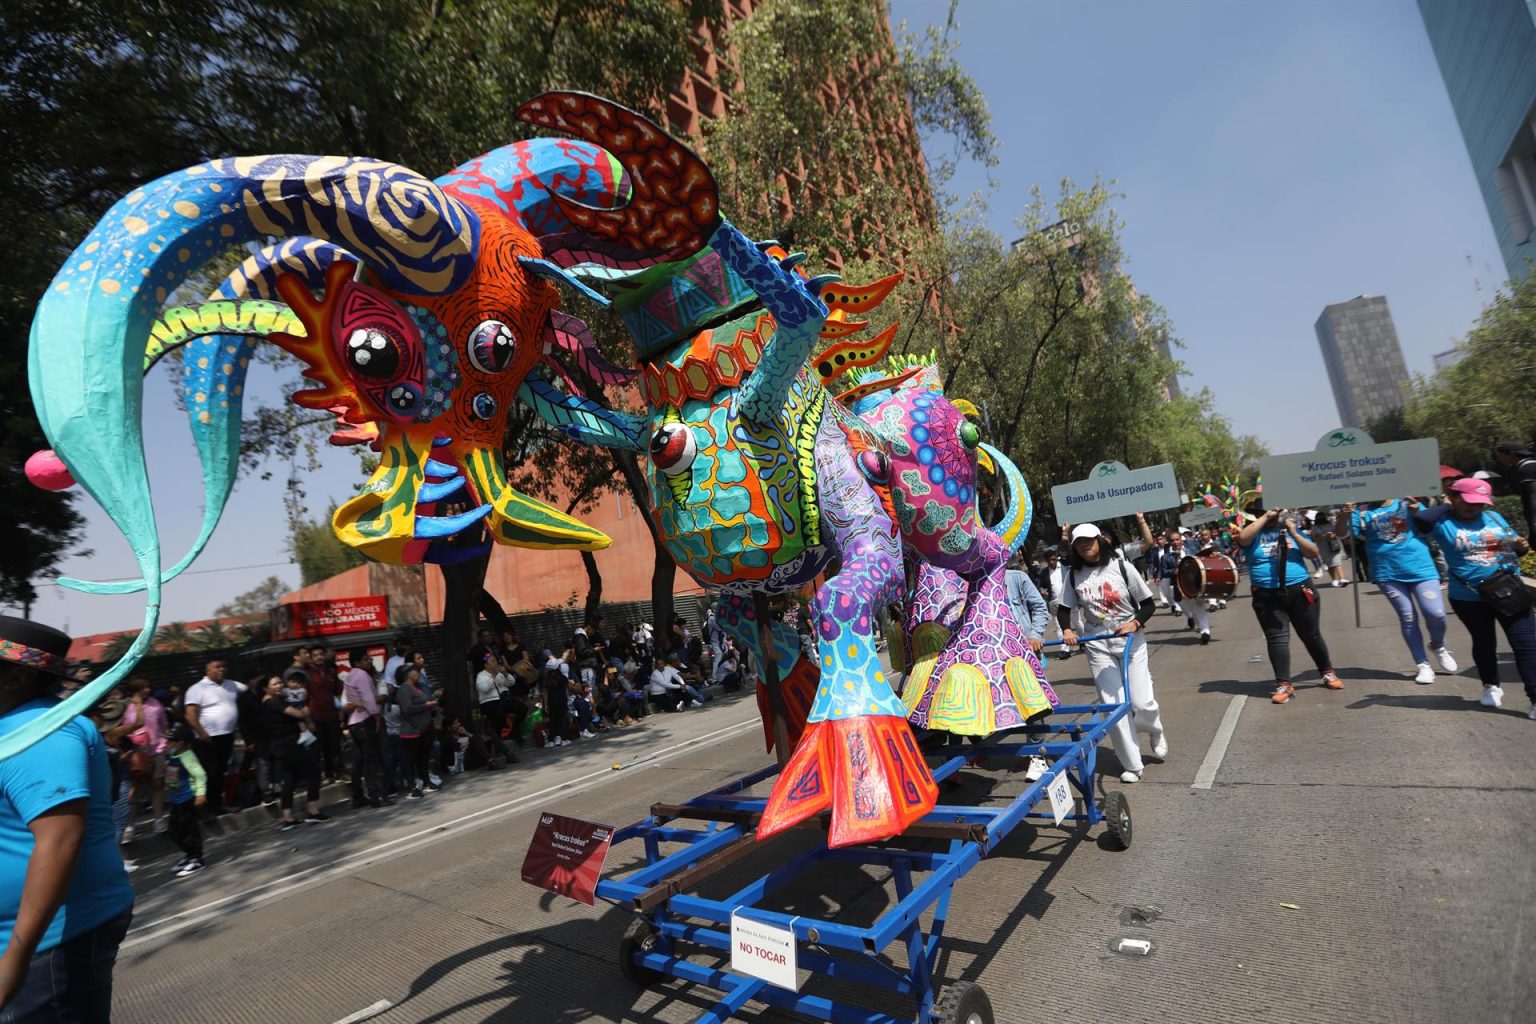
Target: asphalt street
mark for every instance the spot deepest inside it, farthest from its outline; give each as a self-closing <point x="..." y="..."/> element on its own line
<point x="1361" y="856"/>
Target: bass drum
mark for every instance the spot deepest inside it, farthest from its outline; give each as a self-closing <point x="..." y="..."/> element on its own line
<point x="1209" y="576"/>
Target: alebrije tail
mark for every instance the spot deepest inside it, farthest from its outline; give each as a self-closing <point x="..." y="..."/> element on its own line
<point x="866" y="769"/>
<point x="799" y="690"/>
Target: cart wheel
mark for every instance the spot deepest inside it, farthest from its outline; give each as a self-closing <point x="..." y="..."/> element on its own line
<point x="963" y="1002"/>
<point x="639" y="937"/>
<point x="1117" y="816"/>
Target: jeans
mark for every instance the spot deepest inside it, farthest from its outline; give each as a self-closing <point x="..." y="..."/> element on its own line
<point x="1145" y="716"/>
<point x="1278" y="610"/>
<point x="72" y="982"/>
<point x="367" y="761"/>
<point x="213" y="754"/>
<point x="1402" y="596"/>
<point x="1519" y="630"/>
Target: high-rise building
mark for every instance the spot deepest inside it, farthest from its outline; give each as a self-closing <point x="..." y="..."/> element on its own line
<point x="1364" y="360"/>
<point x="1487" y="55"/>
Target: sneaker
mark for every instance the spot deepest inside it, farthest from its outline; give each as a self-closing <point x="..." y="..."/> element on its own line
<point x="318" y="818"/>
<point x="1425" y="674"/>
<point x="434" y="780"/>
<point x="191" y="867"/>
<point x="130" y="866"/>
<point x="1220" y="604"/>
<point x="1282" y="693"/>
<point x="1160" y="746"/>
<point x="127" y="835"/>
<point x="1443" y="656"/>
<point x="161" y="826"/>
<point x="288" y="825"/>
<point x="1205" y="637"/>
<point x="1130" y="777"/>
<point x="414" y="794"/>
<point x="588" y="734"/>
<point x="1332" y="681"/>
<point x="432" y="787"/>
<point x="1321" y="574"/>
<point x="557" y="742"/>
<point x="1531" y="713"/>
<point x="1493" y="697"/>
<point x="696" y="703"/>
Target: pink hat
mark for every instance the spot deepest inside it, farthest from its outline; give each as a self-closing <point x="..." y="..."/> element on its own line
<point x="1473" y="491"/>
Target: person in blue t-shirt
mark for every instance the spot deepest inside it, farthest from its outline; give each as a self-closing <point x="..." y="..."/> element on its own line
<point x="1283" y="596"/>
<point x="65" y="900"/>
<point x="1477" y="543"/>
<point x="1404" y="569"/>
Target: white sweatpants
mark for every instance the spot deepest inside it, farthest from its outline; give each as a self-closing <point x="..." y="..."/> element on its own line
<point x="1104" y="663"/>
<point x="1170" y="592"/>
<point x="1196" y="609"/>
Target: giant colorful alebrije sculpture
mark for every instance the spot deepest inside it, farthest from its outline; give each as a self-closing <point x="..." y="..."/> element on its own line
<point x="419" y="307"/>
<point x="762" y="482"/>
<point x="970" y="669"/>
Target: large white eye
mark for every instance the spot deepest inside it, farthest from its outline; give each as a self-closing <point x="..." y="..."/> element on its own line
<point x="673" y="448"/>
<point x="491" y="346"/>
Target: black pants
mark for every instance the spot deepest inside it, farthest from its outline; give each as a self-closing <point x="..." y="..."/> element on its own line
<point x="296" y="765"/>
<point x="213" y="755"/>
<point x="1519" y="630"/>
<point x="494" y="712"/>
<point x="329" y="736"/>
<point x="1278" y="611"/>
<point x="555" y="710"/>
<point x="417" y="759"/>
<point x="516" y="708"/>
<point x="669" y="701"/>
<point x="367" y="761"/>
<point x="184" y="829"/>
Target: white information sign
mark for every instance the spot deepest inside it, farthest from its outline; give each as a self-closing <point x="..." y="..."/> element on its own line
<point x="764" y="951"/>
<point x="1113" y="490"/>
<point x="1200" y="516"/>
<point x="1061" y="797"/>
<point x="1351" y="473"/>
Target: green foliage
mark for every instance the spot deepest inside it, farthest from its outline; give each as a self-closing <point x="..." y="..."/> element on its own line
<point x="174" y="638"/>
<point x="259" y="600"/>
<point x="1490" y="396"/>
<point x="317" y="549"/>
<point x="214" y="637"/>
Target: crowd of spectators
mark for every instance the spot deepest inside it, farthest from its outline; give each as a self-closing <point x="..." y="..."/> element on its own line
<point x="183" y="758"/>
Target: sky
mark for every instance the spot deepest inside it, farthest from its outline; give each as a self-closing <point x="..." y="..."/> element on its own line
<point x="1273" y="158"/>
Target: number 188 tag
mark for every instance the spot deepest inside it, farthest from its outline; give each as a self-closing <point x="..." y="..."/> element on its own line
<point x="1060" y="793"/>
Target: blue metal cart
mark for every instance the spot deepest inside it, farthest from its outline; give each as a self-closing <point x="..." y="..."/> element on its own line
<point x="679" y="859"/>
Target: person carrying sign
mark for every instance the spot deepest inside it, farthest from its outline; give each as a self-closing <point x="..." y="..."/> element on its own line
<point x="1283" y="597"/>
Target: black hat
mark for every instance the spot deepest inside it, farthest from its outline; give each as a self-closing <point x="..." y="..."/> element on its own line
<point x="34" y="645"/>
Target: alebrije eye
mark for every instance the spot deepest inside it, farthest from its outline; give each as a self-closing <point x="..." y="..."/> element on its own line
<point x="673" y="448"/>
<point x="970" y="434"/>
<point x="483" y="405"/>
<point x="491" y="346"/>
<point x="373" y="353"/>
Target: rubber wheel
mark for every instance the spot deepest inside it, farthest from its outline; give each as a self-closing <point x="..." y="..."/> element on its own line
<point x="1117" y="817"/>
<point x="964" y="1002"/>
<point x="639" y="937"/>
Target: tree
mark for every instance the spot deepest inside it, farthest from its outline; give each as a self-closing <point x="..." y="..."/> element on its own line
<point x="317" y="549"/>
<point x="1490" y="395"/>
<point x="174" y="638"/>
<point x="118" y="646"/>
<point x="214" y="637"/>
<point x="259" y="600"/>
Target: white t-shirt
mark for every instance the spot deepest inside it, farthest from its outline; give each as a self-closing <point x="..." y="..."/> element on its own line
<point x="216" y="708"/>
<point x="664" y="679"/>
<point x="1104" y="595"/>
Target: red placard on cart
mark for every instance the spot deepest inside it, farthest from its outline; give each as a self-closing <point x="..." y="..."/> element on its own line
<point x="566" y="856"/>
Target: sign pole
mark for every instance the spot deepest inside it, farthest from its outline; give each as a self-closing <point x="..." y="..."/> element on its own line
<point x="1354" y="583"/>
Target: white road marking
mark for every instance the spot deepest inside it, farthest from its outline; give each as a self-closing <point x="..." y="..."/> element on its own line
<point x="366" y="1012"/>
<point x="1208" y="768"/>
<point x="256" y="895"/>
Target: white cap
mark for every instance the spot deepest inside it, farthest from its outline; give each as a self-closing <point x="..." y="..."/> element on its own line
<point x="1082" y="530"/>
